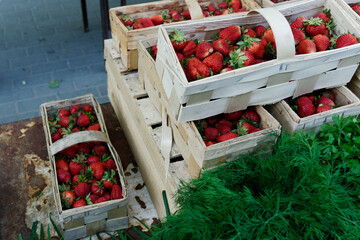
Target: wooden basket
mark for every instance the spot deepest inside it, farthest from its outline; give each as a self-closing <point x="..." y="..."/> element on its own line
<point x="351" y="14"/>
<point x="125" y="41"/>
<point x="107" y="216"/>
<point x="269" y="3"/>
<point x="186" y="135"/>
<point x="354" y="84"/>
<point x="259" y="84"/>
<point x="292" y="122"/>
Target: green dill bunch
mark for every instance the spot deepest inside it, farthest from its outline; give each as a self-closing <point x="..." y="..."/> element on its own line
<point x="292" y="194"/>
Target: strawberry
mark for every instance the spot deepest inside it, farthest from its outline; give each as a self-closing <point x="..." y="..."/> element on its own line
<point x="109" y="163"/>
<point x="322" y="16"/>
<point x="99" y="149"/>
<point x="108" y="179"/>
<point x="75" y="167"/>
<point x="250" y="32"/>
<point x="180" y="56"/>
<point x="94" y="127"/>
<point x="322" y="42"/>
<point x="157" y="19"/>
<point x="83" y="120"/>
<point x="330" y="94"/>
<point x="314" y="26"/>
<point x="226" y="12"/>
<point x="67" y="122"/>
<point x="245" y="128"/>
<point x="206" y="13"/>
<point x="75" y="129"/>
<point x="139" y="20"/>
<point x="255" y="130"/>
<point x="100" y="200"/>
<point x="79" y="203"/>
<point x="63" y="113"/>
<point x="93" y="159"/>
<point x="203" y="50"/>
<point x="75" y="109"/>
<point x="228" y="69"/>
<point x="306" y="46"/>
<point x="223" y="128"/>
<point x="323" y="108"/>
<point x="70" y="151"/>
<point x="233" y="115"/>
<point x="98" y="170"/>
<point x="127" y="21"/>
<point x="138" y="25"/>
<point x="107" y="195"/>
<point x="235" y="4"/>
<point x="299" y="35"/>
<point x="84" y="148"/>
<point x="55" y="136"/>
<point x="240" y="58"/>
<point x="221" y="46"/>
<point x="231" y="34"/>
<point x="346" y="40"/>
<point x="259" y="30"/>
<point x="268" y="35"/>
<point x="147" y="22"/>
<point x="82" y="189"/>
<point x="186" y="14"/>
<point x="226" y="122"/>
<point x="226" y="137"/>
<point x="297" y="24"/>
<point x="97" y="188"/>
<point x="214" y="62"/>
<point x="211" y="133"/>
<point x="189" y="49"/>
<point x="251" y="116"/>
<point x="305" y="107"/>
<point x="67" y="198"/>
<point x="196" y="69"/>
<point x="253" y="45"/>
<point x="93" y="198"/>
<point x="88" y="108"/>
<point x="178" y="40"/>
<point x="116" y="192"/>
<point x="209" y="143"/>
<point x="213" y="120"/>
<point x="62" y="164"/>
<point x="356" y="8"/>
<point x="174" y="14"/>
<point x="63" y="176"/>
<point x="210" y="7"/>
<point x="325" y="101"/>
<point x="223" y="5"/>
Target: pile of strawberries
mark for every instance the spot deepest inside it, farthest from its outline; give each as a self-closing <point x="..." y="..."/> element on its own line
<point x="313" y="103"/>
<point x="87" y="174"/>
<point x="77" y="118"/>
<point x="356" y="8"/>
<point x="227" y="126"/>
<point x="166" y="16"/>
<point x="237" y="47"/>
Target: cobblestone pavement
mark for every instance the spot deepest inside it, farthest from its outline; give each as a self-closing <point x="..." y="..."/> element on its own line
<point x="45" y="54"/>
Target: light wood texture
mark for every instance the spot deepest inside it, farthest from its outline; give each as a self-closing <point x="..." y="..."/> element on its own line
<point x="269" y="3"/>
<point x="345" y="4"/>
<point x="80" y="222"/>
<point x="291" y="122"/>
<point x="268" y="82"/>
<point x="125" y="41"/>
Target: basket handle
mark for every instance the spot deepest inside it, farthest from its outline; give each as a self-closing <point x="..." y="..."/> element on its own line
<point x="194" y="9"/>
<point x="78" y="137"/>
<point x="284" y="39"/>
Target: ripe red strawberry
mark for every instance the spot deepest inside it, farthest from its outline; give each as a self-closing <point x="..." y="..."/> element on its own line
<point x="226" y="122"/>
<point x="178" y="40"/>
<point x="217" y="12"/>
<point x="212" y="120"/>
<point x="75" y="180"/>
<point x="245" y="58"/>
<point x="186" y="14"/>
<point x="154" y="51"/>
<point x="322" y="108"/>
<point x="206" y="13"/>
<point x="227" y="69"/>
<point x="97" y="188"/>
<point x="346" y="40"/>
<point x="322" y="42"/>
<point x="325" y="101"/>
<point x="55" y="136"/>
<point x="107" y="195"/>
<point x="330" y="94"/>
<point x="94" y="127"/>
<point x="299" y="35"/>
<point x="63" y="176"/>
<point x="322" y="16"/>
<point x="297" y="24"/>
<point x="189" y="49"/>
<point x="75" y="109"/>
<point x="83" y="120"/>
<point x="157" y="19"/>
<point x="251" y="116"/>
<point x="356" y="8"/>
<point x="93" y="198"/>
<point x="180" y="56"/>
<point x="196" y="69"/>
<point x="75" y="167"/>
<point x="66" y="122"/>
<point x="254" y="45"/>
<point x="139" y="20"/>
<point x="268" y="35"/>
<point x="109" y="164"/>
<point x="250" y="32"/>
<point x="231" y="34"/>
<point x="116" y="192"/>
<point x="63" y="113"/>
<point x="210" y="7"/>
<point x="209" y="143"/>
<point x="62" y="164"/>
<point x="226" y="137"/>
<point x="259" y="30"/>
<point x="314" y="26"/>
<point x="174" y="14"/>
<point x="93" y="159"/>
<point x="147" y="22"/>
<point x="245" y="128"/>
<point x="82" y="189"/>
<point x="306" y="46"/>
<point x="203" y="50"/>
<point x="221" y="46"/>
<point x="255" y="130"/>
<point x="233" y="116"/>
<point x="214" y="62"/>
<point x="70" y="151"/>
<point x="305" y="107"/>
<point x="211" y="133"/>
<point x="75" y="129"/>
<point x="88" y="108"/>
<point x="223" y="128"/>
<point x="223" y="5"/>
<point x="226" y="12"/>
<point x="108" y="179"/>
<point x="84" y="148"/>
<point x="99" y="149"/>
<point x="235" y="4"/>
<point x="137" y="26"/>
<point x="67" y="198"/>
<point x="79" y="203"/>
<point x="98" y="170"/>
<point x="100" y="200"/>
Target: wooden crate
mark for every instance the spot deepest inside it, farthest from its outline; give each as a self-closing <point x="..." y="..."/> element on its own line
<point x="292" y="122"/>
<point x="354" y="84"/>
<point x="269" y="3"/>
<point x="186" y="135"/>
<point x="142" y="126"/>
<point x="345" y="4"/>
<point x="264" y="83"/>
<point x="125" y="41"/>
<point x="88" y="220"/>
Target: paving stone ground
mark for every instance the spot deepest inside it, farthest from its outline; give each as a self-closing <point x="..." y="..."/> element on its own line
<point x="43" y="41"/>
